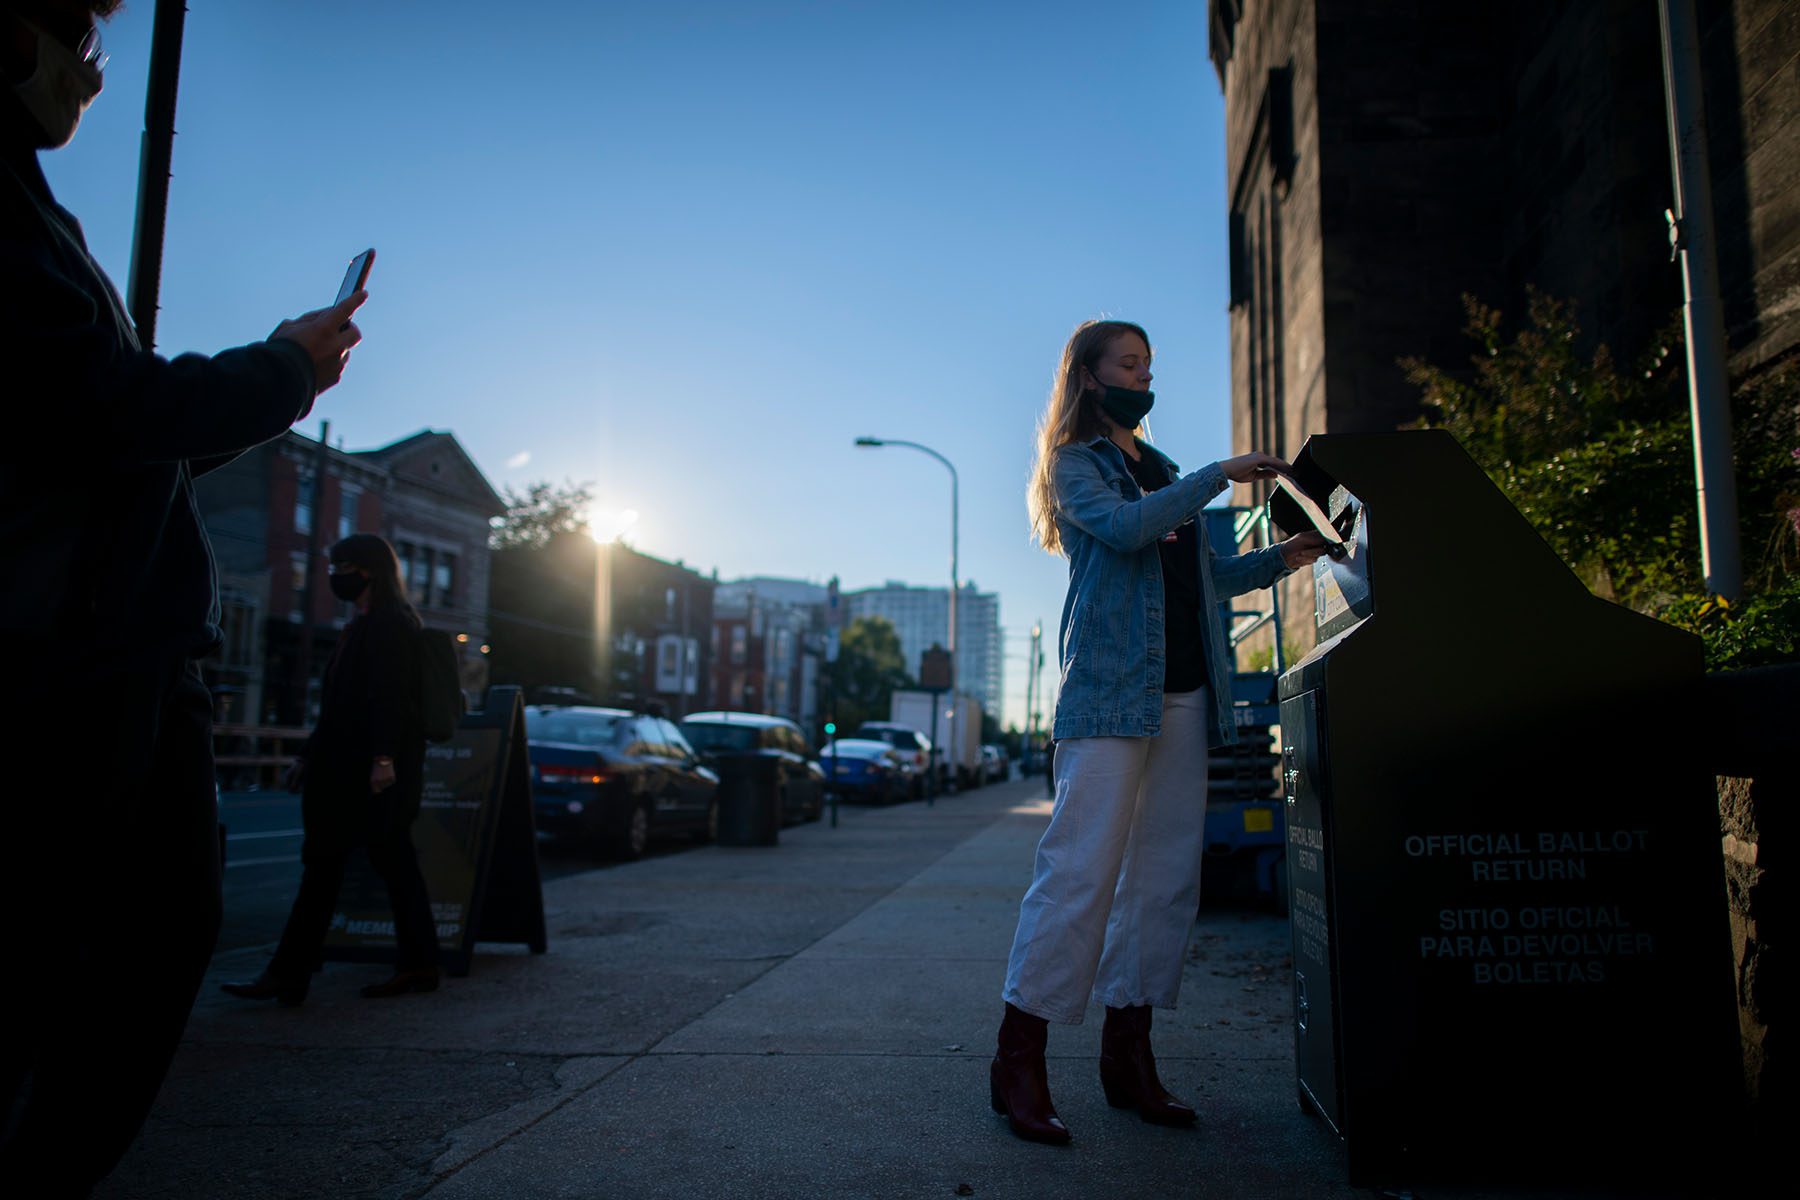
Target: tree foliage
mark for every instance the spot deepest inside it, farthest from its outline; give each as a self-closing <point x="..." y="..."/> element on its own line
<point x="543" y="510"/>
<point x="868" y="669"/>
<point x="1600" y="460"/>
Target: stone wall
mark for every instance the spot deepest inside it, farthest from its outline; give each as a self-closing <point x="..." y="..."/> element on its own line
<point x="1411" y="106"/>
<point x="1744" y="805"/>
<point x="1584" y="171"/>
<point x="1441" y="149"/>
<point x="1277" y="321"/>
<point x="1750" y="58"/>
<point x="1755" y="714"/>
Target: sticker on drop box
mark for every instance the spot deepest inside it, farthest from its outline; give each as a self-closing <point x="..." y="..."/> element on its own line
<point x="1259" y="820"/>
<point x="1328" y="596"/>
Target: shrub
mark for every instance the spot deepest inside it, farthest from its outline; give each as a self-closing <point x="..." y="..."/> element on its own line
<point x="1600" y="461"/>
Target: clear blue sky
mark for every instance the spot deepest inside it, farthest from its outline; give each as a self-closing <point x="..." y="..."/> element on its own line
<point x="690" y="250"/>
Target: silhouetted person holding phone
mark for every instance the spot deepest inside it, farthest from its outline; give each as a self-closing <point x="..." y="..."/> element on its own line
<point x="362" y="779"/>
<point x="109" y="875"/>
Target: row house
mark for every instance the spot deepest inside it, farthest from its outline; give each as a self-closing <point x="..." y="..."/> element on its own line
<point x="281" y="505"/>
<point x="769" y="647"/>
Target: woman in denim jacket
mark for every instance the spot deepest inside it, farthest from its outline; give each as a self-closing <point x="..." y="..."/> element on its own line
<point x="1145" y="693"/>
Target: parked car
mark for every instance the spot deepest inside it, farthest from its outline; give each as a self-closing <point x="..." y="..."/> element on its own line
<point x="995" y="765"/>
<point x="914" y="748"/>
<point x="865" y="770"/>
<point x="772" y="748"/>
<point x="617" y="779"/>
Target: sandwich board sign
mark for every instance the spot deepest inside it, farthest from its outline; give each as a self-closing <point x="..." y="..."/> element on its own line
<point x="477" y="844"/>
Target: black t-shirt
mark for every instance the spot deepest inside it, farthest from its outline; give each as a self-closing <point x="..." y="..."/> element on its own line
<point x="1185" y="651"/>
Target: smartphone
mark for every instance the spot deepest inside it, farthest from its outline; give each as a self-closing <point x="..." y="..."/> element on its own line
<point x="356" y="277"/>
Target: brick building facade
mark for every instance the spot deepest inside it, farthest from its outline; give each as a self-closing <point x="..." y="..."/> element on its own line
<point x="768" y="648"/>
<point x="266" y="509"/>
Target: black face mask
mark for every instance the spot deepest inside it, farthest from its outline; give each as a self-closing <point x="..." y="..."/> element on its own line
<point x="348" y="585"/>
<point x="1127" y="407"/>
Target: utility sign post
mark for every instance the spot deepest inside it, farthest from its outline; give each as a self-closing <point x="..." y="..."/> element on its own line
<point x="937" y="677"/>
<point x="834" y="618"/>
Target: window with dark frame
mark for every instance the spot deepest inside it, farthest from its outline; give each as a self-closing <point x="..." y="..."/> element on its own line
<point x="303" y="502"/>
<point x="297" y="586"/>
<point x="348" y="497"/>
<point x="419" y="584"/>
<point x="443" y="584"/>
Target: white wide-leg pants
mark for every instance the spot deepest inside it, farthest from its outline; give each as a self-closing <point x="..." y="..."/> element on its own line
<point x="1117" y="879"/>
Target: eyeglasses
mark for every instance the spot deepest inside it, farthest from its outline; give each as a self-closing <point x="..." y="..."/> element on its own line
<point x="89" y="50"/>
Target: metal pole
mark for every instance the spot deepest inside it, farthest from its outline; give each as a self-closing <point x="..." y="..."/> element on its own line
<point x="955" y="713"/>
<point x="931" y="789"/>
<point x="956" y="706"/>
<point x="1268" y="539"/>
<point x="834" y="656"/>
<point x="1037" y="714"/>
<point x="157" y="150"/>
<point x="1691" y="232"/>
<point x="1030" y="694"/>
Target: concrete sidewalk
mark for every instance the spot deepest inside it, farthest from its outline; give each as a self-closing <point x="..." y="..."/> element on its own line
<point x="813" y="1020"/>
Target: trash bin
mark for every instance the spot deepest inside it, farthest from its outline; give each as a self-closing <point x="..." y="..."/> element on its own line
<point x="749" y="800"/>
<point x="1510" y="943"/>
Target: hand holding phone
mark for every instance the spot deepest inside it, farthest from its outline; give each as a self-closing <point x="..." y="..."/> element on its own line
<point x="327" y="334"/>
<point x="357" y="277"/>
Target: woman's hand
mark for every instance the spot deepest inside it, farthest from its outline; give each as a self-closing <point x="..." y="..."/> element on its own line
<point x="1248" y="468"/>
<point x="294" y="778"/>
<point x="381" y="775"/>
<point x="1303" y="549"/>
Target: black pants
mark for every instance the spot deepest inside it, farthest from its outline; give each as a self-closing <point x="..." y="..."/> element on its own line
<point x="323" y="856"/>
<point x="109" y="878"/>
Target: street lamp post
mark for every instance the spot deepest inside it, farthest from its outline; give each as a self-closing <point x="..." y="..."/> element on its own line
<point x="948" y="466"/>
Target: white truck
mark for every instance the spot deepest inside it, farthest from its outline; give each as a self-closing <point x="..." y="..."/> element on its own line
<point x="954" y="730"/>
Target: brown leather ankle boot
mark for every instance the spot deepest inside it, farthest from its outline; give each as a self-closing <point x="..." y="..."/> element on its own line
<point x="1128" y="1069"/>
<point x="1019" y="1085"/>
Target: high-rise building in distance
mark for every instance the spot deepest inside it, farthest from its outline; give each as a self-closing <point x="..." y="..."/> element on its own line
<point x="921" y="615"/>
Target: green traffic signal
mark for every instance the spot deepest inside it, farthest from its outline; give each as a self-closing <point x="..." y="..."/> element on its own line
<point x="830" y="728"/>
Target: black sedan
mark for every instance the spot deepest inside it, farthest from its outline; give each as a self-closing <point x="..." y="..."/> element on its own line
<point x="617" y="779"/>
<point x="771" y="749"/>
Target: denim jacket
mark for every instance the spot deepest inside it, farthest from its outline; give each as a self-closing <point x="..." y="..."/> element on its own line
<point x="1111" y="643"/>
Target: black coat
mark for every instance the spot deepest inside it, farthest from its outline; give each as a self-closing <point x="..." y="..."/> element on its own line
<point x="105" y="549"/>
<point x="368" y="707"/>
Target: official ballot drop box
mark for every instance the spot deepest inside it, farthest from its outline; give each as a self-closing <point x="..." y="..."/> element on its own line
<point x="1511" y="952"/>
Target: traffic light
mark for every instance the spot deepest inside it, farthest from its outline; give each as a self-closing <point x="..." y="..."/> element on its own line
<point x="830" y="728"/>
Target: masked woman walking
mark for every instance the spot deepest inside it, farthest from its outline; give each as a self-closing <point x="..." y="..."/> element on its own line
<point x="1145" y="692"/>
<point x="362" y="775"/>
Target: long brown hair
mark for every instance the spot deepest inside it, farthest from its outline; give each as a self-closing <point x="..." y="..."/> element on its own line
<point x="1071" y="415"/>
<point x="372" y="553"/>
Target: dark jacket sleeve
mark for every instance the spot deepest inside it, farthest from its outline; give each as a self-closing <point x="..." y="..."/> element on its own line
<point x="202" y="466"/>
<point x="393" y="665"/>
<point x="74" y="382"/>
